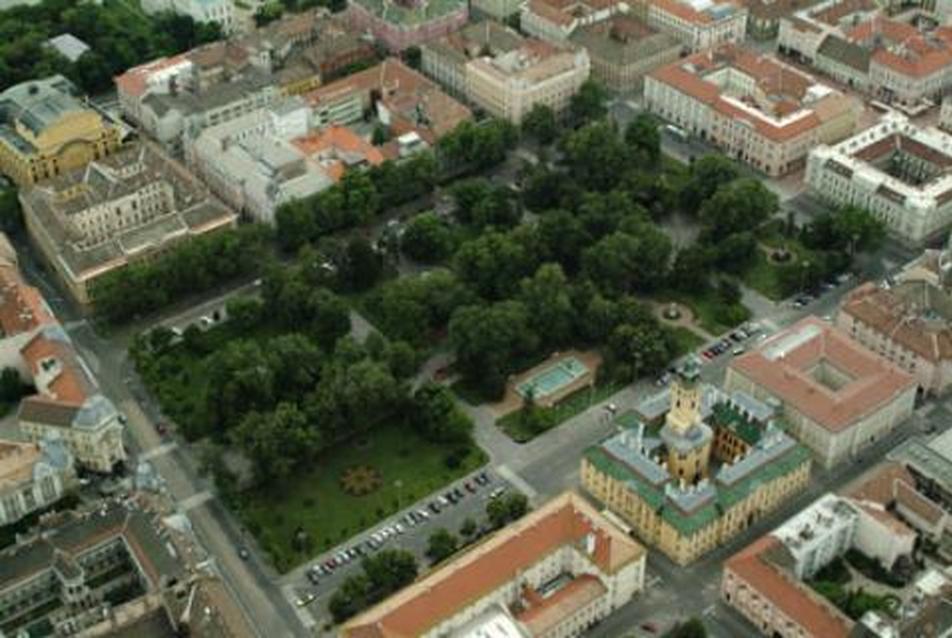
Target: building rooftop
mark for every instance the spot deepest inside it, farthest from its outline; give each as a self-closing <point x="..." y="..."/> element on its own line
<point x="567" y="520"/>
<point x="38" y="104"/>
<point x="56" y="202"/>
<point x="822" y="373"/>
<point x="410" y="13"/>
<point x="919" y="453"/>
<point x="22" y="307"/>
<point x="80" y="532"/>
<point x="637" y="460"/>
<point x="20" y="462"/>
<point x="698" y="12"/>
<point x="622" y="39"/>
<point x="762" y="566"/>
<point x="476" y="39"/>
<point x="337" y="149"/>
<point x="777" y="100"/>
<point x="69" y="46"/>
<point x="416" y="103"/>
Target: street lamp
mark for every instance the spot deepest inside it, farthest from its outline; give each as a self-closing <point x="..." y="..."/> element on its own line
<point x="399" y="485"/>
<point x="803" y="276"/>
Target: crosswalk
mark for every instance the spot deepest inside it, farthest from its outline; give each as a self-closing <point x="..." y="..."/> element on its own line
<point x="195" y="500"/>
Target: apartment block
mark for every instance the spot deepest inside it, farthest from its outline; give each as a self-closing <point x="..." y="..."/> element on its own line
<point x="754" y="107"/>
<point x="895" y="170"/>
<point x="557" y="20"/>
<point x="46" y="130"/>
<point x="130" y="206"/>
<point x="558" y="571"/>
<point x="837" y="396"/>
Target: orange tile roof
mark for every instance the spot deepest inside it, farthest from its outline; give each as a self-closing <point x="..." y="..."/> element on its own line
<point x="874" y="381"/>
<point x="924" y="507"/>
<point x="816" y="616"/>
<point x="547" y="613"/>
<point x="328" y="144"/>
<point x="681" y="10"/>
<point x="901" y="47"/>
<point x="71" y="386"/>
<point x="772" y="79"/>
<point x="565" y="520"/>
<point x="880" y="484"/>
<point x="404" y="91"/>
<point x="134" y="81"/>
<point x="886" y="313"/>
<point x="22" y="307"/>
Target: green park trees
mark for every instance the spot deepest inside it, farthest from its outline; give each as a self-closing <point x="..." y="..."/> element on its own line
<point x="382" y="574"/>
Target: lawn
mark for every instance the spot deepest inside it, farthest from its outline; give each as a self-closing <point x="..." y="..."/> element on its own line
<point x="570" y="406"/>
<point x="765" y="276"/>
<point x="712" y="314"/>
<point x="409" y="467"/>
<point x="685" y="341"/>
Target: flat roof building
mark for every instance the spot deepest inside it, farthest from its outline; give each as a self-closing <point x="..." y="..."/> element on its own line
<point x="754" y="107"/>
<point x="836" y="395"/>
<point x="896" y="170"/>
<point x="556" y="571"/>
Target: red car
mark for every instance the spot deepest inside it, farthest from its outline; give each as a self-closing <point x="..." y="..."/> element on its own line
<point x="161" y="428"/>
<point x="650" y="627"/>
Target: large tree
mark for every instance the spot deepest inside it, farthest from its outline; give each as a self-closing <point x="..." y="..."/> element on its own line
<point x="546" y="297"/>
<point x="707" y="175"/>
<point x="622" y="263"/>
<point x="441" y="545"/>
<point x="740" y="205"/>
<point x="540" y="124"/>
<point x="596" y="156"/>
<point x="493" y="264"/>
<point x="589" y="103"/>
<point x="644" y="140"/>
<point x="427" y="239"/>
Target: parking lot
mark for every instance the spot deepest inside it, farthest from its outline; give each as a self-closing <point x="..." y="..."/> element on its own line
<point x="409" y="530"/>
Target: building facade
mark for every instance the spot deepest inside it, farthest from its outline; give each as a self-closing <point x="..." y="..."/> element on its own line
<point x="765" y="582"/>
<point x="221" y="12"/>
<point x="699" y="24"/>
<point x="687" y="487"/>
<point x="45" y="130"/>
<point x="837" y="396"/>
<point x="755" y="108"/>
<point x="556" y="572"/>
<point x="68" y="405"/>
<point x="895" y="170"/>
<point x="908" y="323"/>
<point x="33" y="477"/>
<point x="538" y="73"/>
<point x="131" y="206"/>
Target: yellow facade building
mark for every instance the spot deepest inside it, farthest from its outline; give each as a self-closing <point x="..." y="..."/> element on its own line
<point x="45" y="130"/>
<point x="718" y="463"/>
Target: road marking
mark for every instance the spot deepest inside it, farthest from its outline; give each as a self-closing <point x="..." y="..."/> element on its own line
<point x="926" y="409"/>
<point x="654" y="580"/>
<point x="158" y="451"/>
<point x="709" y="610"/>
<point x="516" y="480"/>
<point x="305" y="618"/>
<point x="195" y="500"/>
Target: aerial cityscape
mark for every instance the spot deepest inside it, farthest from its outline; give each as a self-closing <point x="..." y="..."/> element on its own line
<point x="476" y="318"/>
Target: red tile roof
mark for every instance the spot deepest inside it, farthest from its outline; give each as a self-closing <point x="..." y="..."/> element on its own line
<point x="71" y="386"/>
<point x="134" y="81"/>
<point x="546" y="613"/>
<point x="874" y="381"/>
<point x="565" y="520"/>
<point x="772" y="78"/>
<point x="21" y="306"/>
<point x="815" y="615"/>
<point x="328" y="145"/>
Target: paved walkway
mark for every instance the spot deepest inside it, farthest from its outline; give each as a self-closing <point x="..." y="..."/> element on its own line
<point x="686" y="320"/>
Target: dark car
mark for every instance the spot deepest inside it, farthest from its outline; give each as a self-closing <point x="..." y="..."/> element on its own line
<point x="434" y="507"/>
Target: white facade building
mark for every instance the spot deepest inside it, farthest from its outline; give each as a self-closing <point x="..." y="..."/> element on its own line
<point x="220" y="11"/>
<point x="895" y="170"/>
<point x="699" y="24"/>
<point x="818" y="534"/>
<point x="32" y="477"/>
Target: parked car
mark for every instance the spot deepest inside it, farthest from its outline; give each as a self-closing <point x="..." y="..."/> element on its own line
<point x="470" y="487"/>
<point x="313" y="576"/>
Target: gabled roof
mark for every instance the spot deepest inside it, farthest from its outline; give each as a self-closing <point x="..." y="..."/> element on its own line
<point x="567" y="520"/>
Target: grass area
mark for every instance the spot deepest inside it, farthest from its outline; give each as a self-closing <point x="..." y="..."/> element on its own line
<point x="514" y="426"/>
<point x="712" y="314"/>
<point x="685" y="341"/>
<point x="767" y="277"/>
<point x="409" y="466"/>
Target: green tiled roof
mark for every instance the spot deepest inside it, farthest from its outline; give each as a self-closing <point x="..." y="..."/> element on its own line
<point x="688" y="524"/>
<point x="727" y="496"/>
<point x="725" y="415"/>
